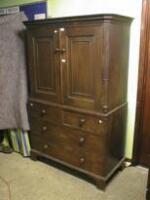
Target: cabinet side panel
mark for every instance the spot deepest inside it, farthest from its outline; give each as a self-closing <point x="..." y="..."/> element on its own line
<point x="116" y="139"/>
<point x="118" y="64"/>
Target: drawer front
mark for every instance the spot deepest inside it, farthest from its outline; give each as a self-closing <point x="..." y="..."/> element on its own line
<point x="76" y="156"/>
<point x="45" y="112"/>
<point x="66" y="136"/>
<point x="85" y="122"/>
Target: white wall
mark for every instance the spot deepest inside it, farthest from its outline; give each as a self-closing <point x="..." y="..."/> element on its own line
<point x="77" y="7"/>
<point x="58" y="8"/>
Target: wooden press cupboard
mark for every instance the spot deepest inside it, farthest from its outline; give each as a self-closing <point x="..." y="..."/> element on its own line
<point x="78" y="68"/>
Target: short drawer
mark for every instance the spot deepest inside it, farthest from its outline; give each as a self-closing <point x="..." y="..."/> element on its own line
<point x="85" y="122"/>
<point x="45" y="112"/>
<point x="79" y="157"/>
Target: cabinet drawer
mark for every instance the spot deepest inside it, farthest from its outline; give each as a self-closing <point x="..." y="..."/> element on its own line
<point x="85" y="122"/>
<point x="79" y="157"/>
<point x="45" y="112"/>
<point x="66" y="136"/>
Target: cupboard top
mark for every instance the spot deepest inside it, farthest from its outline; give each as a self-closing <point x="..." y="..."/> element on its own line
<point x="96" y="17"/>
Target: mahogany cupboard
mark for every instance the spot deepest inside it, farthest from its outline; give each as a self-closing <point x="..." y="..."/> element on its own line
<point x="78" y="70"/>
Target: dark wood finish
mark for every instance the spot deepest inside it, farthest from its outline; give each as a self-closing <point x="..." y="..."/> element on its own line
<point x="78" y="70"/>
<point x="116" y="65"/>
<point x="83" y="44"/>
<point x="34" y="156"/>
<point x="142" y="128"/>
<point x="69" y="148"/>
<point x="42" y="59"/>
<point x="44" y="112"/>
<point x="95" y="125"/>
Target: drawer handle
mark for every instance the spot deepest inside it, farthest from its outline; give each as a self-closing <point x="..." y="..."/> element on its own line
<point x="100" y="121"/>
<point x="63" y="50"/>
<point x="57" y="50"/>
<point x="82" y="160"/>
<point x="82" y="121"/>
<point x="44" y="128"/>
<point x="43" y="111"/>
<point x="45" y="146"/>
<point x="82" y="140"/>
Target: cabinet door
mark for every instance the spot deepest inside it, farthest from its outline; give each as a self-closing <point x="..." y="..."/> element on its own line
<point x="82" y="70"/>
<point x="43" y="63"/>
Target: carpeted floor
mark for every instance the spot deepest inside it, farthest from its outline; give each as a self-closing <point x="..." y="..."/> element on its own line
<point x="24" y="179"/>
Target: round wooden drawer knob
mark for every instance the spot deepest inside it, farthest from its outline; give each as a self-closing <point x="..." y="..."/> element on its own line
<point x="31" y="104"/>
<point x="44" y="128"/>
<point x="81" y="121"/>
<point x="82" y="140"/>
<point x="82" y="160"/>
<point x="55" y="31"/>
<point x="100" y="121"/>
<point x="43" y="111"/>
<point x="45" y="146"/>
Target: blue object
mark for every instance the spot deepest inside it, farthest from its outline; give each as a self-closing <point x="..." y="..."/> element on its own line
<point x="35" y="8"/>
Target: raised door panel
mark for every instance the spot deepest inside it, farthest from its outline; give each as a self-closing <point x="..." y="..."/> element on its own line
<point x="81" y="79"/>
<point x="43" y="64"/>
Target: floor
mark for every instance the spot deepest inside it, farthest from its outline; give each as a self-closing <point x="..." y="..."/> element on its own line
<point x="24" y="179"/>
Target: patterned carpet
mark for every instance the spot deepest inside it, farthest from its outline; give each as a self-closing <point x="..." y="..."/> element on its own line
<point x="24" y="179"/>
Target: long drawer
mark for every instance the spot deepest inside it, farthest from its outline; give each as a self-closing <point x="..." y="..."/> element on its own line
<point x="44" y="111"/>
<point x="88" y="160"/>
<point x="72" y="146"/>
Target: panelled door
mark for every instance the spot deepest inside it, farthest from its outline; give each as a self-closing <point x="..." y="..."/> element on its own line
<point x="81" y="66"/>
<point x="44" y="63"/>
